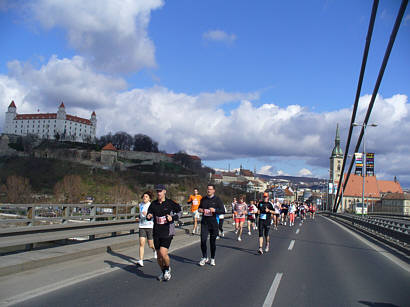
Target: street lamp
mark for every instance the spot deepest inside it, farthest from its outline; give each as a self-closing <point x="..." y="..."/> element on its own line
<point x="364" y="157"/>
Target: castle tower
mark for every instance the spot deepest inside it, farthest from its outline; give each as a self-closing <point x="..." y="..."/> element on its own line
<point x="10" y="116"/>
<point x="94" y="123"/>
<point x="61" y="127"/>
<point x="336" y="159"/>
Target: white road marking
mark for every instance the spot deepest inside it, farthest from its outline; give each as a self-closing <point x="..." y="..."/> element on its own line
<point x="378" y="249"/>
<point x="292" y="243"/>
<point x="297" y="231"/>
<point x="272" y="291"/>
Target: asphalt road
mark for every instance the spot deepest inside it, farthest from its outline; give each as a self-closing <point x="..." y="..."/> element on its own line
<point x="313" y="264"/>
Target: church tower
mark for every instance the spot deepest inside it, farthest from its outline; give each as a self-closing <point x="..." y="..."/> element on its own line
<point x="336" y="159"/>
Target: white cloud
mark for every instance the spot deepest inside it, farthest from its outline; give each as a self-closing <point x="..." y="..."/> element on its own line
<point x="113" y="36"/>
<point x="304" y="172"/>
<point x="219" y="36"/>
<point x="199" y="125"/>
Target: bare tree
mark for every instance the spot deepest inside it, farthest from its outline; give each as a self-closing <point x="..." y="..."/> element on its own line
<point x="143" y="142"/>
<point x="70" y="189"/>
<point x="121" y="193"/>
<point x="18" y="189"/>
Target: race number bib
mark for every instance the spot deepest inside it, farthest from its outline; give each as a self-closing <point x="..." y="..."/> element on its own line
<point x="161" y="220"/>
<point x="207" y="212"/>
<point x="263" y="216"/>
<point x="195" y="202"/>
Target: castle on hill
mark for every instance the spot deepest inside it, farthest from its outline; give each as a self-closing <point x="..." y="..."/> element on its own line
<point x="59" y="126"/>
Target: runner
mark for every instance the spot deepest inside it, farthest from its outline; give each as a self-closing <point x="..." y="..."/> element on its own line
<point x="276" y="217"/>
<point x="252" y="209"/>
<point x="164" y="212"/>
<point x="284" y="213"/>
<point x="302" y="211"/>
<point x="210" y="206"/>
<point x="233" y="209"/>
<point x="265" y="209"/>
<point x="313" y="211"/>
<point x="195" y="200"/>
<point x="292" y="211"/>
<point x="240" y="213"/>
<point x="221" y="218"/>
<point x="145" y="227"/>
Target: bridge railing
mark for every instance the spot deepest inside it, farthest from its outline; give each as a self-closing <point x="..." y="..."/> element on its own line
<point x="27" y="224"/>
<point x="392" y="230"/>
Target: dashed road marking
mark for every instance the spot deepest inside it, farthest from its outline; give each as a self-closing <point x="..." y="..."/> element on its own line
<point x="297" y="231"/>
<point x="272" y="291"/>
<point x="292" y="243"/>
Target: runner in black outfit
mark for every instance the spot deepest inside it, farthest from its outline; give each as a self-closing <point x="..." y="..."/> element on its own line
<point x="265" y="209"/>
<point x="210" y="206"/>
<point x="164" y="212"/>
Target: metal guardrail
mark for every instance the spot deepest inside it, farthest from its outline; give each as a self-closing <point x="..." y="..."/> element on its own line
<point x="392" y="230"/>
<point x="38" y="228"/>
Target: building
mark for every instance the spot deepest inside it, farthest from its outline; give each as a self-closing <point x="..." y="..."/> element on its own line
<point x="374" y="191"/>
<point x="109" y="154"/>
<point x="60" y="125"/>
<point x="336" y="161"/>
<point x="394" y="203"/>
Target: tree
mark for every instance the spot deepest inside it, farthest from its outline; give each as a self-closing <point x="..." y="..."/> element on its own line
<point x="70" y="189"/>
<point x="121" y="194"/>
<point x="18" y="189"/>
<point x="143" y="142"/>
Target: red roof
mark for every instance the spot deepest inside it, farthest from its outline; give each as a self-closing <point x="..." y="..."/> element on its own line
<point x="372" y="188"/>
<point x="62" y="105"/>
<point x="78" y="119"/>
<point x="109" y="146"/>
<point x="53" y="116"/>
<point x="217" y="176"/>
<point x="12" y="105"/>
<point x="37" y="116"/>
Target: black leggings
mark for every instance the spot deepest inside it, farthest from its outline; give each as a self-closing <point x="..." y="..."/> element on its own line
<point x="264" y="226"/>
<point x="221" y="223"/>
<point x="213" y="232"/>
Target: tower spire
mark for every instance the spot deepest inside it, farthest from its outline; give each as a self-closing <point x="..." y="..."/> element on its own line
<point x="337" y="151"/>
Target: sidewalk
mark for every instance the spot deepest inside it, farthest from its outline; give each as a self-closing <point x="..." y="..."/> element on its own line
<point x="33" y="273"/>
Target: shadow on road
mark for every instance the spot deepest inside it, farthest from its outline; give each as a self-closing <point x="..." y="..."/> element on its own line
<point x="374" y="304"/>
<point x="132" y="260"/>
<point x="246" y="250"/>
<point x="183" y="259"/>
<point x="133" y="269"/>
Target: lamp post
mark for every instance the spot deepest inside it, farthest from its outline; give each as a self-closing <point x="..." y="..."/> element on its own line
<point x="364" y="158"/>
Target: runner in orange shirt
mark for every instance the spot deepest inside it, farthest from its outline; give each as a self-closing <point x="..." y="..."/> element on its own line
<point x="195" y="200"/>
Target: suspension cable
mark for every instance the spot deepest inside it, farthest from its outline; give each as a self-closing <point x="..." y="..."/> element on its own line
<point x="393" y="35"/>
<point x="358" y="90"/>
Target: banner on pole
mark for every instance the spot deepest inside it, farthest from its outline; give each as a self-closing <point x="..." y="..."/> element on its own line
<point x="358" y="157"/>
<point x="370" y="163"/>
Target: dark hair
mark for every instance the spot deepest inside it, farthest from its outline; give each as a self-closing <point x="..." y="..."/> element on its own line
<point x="211" y="185"/>
<point x="196" y="189"/>
<point x="149" y="193"/>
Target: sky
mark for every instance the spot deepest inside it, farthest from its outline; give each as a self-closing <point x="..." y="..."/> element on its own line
<point x="261" y="84"/>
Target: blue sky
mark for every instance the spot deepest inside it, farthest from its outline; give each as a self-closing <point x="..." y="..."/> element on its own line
<point x="257" y="83"/>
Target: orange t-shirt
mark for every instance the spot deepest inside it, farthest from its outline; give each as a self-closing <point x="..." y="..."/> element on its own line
<point x="196" y="200"/>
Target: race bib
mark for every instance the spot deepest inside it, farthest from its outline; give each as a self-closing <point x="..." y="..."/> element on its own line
<point x="262" y="216"/>
<point x="195" y="202"/>
<point x="161" y="220"/>
<point x="207" y="212"/>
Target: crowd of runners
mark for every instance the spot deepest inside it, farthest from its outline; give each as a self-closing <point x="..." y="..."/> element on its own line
<point x="157" y="222"/>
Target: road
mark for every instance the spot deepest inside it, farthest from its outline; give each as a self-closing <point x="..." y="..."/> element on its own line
<point x="316" y="263"/>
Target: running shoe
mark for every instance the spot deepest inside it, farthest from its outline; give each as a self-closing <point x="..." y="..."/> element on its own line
<point x="239" y="239"/>
<point x="285" y="223"/>
<point x="267" y="248"/>
<point x="203" y="261"/>
<point x="217" y="237"/>
<point x="260" y="251"/>
<point x="140" y="263"/>
<point x="212" y="262"/>
<point x="155" y="255"/>
<point x="236" y="231"/>
<point x="167" y="275"/>
<point x="161" y="277"/>
<point x="249" y="233"/>
<point x="222" y="234"/>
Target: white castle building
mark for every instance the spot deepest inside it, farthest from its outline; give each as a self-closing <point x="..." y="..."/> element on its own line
<point x="58" y="125"/>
